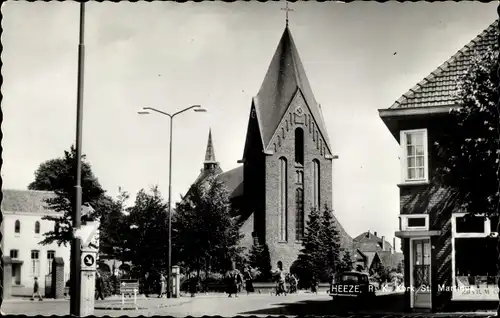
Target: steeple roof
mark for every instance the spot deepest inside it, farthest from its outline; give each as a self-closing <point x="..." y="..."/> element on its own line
<point x="284" y="77"/>
<point x="210" y="152"/>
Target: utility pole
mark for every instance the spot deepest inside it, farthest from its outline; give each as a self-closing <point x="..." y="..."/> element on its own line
<point x="76" y="281"/>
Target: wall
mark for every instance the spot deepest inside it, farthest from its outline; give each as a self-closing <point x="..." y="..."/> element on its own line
<point x="287" y="251"/>
<point x="27" y="240"/>
<point x="438" y="203"/>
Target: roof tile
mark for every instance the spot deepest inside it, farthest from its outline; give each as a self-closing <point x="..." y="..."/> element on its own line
<point x="439" y="88"/>
<point x="25" y="201"/>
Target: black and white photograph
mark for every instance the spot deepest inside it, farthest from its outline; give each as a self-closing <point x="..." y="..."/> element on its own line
<point x="250" y="158"/>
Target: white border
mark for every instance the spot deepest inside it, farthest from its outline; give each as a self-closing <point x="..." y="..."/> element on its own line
<point x="404" y="222"/>
<point x="454" y="234"/>
<point x="402" y="142"/>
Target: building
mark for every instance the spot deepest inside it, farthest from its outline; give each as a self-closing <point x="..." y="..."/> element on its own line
<point x="441" y="249"/>
<point x="286" y="165"/>
<point x="371" y="252"/>
<point x="22" y="230"/>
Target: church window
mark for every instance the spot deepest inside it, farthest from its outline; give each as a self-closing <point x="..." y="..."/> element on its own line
<point x="300" y="177"/>
<point x="316" y="184"/>
<point x="321" y="146"/>
<point x="299" y="218"/>
<point x="291" y="119"/>
<point x="283" y="133"/>
<point x="279" y="141"/>
<point x="299" y="146"/>
<point x="310" y="124"/>
<point x="314" y="135"/>
<point x="286" y="125"/>
<point x="317" y="139"/>
<point x="305" y="116"/>
<point x="283" y="200"/>
<point x="275" y="148"/>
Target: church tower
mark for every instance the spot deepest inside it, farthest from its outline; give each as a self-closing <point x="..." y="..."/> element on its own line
<point x="210" y="165"/>
<point x="287" y="159"/>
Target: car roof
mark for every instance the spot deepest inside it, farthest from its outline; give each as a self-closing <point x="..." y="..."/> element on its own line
<point x="354" y="273"/>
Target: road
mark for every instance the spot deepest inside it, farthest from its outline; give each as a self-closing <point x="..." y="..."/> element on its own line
<point x="219" y="304"/>
<point x="215" y="304"/>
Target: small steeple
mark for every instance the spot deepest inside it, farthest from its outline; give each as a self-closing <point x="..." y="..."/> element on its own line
<point x="210" y="162"/>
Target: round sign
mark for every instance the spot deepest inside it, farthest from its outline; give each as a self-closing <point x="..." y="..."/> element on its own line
<point x="88" y="260"/>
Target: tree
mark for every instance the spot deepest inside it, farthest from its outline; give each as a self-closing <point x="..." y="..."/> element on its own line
<point x="330" y="245"/>
<point x="260" y="259"/>
<point x="206" y="234"/>
<point x="309" y="266"/>
<point x="58" y="175"/>
<point x="113" y="227"/>
<point x="147" y="232"/>
<point x="470" y="153"/>
<point x="347" y="262"/>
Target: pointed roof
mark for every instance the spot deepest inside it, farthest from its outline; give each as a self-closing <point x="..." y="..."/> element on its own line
<point x="284" y="77"/>
<point x="438" y="89"/>
<point x="210" y="152"/>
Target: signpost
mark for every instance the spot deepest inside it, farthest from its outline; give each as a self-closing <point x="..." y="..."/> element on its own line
<point x="129" y="287"/>
<point x="88" y="275"/>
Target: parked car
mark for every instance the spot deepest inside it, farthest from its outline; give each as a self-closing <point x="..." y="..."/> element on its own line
<point x="352" y="285"/>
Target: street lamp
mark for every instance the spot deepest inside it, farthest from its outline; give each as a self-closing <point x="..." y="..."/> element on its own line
<point x="146" y="111"/>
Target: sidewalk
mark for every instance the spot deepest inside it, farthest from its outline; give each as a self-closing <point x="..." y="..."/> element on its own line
<point x="142" y="303"/>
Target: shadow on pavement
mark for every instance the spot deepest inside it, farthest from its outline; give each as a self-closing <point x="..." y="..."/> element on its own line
<point x="393" y="303"/>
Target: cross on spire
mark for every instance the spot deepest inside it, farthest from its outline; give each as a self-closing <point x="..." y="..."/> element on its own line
<point x="286" y="9"/>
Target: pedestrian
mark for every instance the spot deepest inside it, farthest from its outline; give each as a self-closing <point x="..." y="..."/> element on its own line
<point x="99" y="286"/>
<point x="280" y="280"/>
<point x="163" y="286"/>
<point x="193" y="284"/>
<point x="146" y="284"/>
<point x="232" y="281"/>
<point x="248" y="281"/>
<point x="36" y="290"/>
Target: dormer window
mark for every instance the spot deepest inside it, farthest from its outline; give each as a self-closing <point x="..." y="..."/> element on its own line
<point x="414" y="159"/>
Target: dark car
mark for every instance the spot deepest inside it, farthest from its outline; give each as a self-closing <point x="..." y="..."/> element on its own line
<point x="352" y="285"/>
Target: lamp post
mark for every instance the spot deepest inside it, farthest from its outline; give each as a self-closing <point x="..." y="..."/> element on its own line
<point x="75" y="292"/>
<point x="145" y="111"/>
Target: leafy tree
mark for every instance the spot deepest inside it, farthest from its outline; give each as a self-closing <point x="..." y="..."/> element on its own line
<point x="310" y="260"/>
<point x="260" y="259"/>
<point x="330" y="245"/>
<point x="58" y="175"/>
<point x="346" y="262"/>
<point x="206" y="237"/>
<point x="470" y="153"/>
<point x="113" y="227"/>
<point x="146" y="236"/>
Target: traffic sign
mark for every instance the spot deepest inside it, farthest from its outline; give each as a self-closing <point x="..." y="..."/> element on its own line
<point x="88" y="261"/>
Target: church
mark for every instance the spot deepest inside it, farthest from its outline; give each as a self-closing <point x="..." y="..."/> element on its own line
<point x="286" y="165"/>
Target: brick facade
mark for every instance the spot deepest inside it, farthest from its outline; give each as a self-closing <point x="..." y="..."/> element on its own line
<point x="58" y="283"/>
<point x="7" y="277"/>
<point x="287" y="251"/>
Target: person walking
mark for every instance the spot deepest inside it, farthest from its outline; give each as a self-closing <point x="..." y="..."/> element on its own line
<point x="163" y="286"/>
<point x="99" y="286"/>
<point x="193" y="284"/>
<point x="36" y="290"/>
<point x="146" y="284"/>
<point x="232" y="281"/>
<point x="280" y="280"/>
<point x="248" y="281"/>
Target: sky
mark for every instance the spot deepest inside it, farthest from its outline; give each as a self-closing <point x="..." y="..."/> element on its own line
<point x="359" y="57"/>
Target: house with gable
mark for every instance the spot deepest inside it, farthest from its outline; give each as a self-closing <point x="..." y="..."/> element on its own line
<point x="372" y="252"/>
<point x="449" y="260"/>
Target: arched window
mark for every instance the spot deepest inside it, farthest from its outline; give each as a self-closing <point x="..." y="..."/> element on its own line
<point x="291" y="119"/>
<point x="299" y="217"/>
<point x="316" y="184"/>
<point x="283" y="199"/>
<point x="299" y="146"/>
<point x="286" y="125"/>
<point x="279" y="141"/>
<point x="283" y="132"/>
<point x="37" y="227"/>
<point x="17" y="226"/>
<point x="50" y="258"/>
